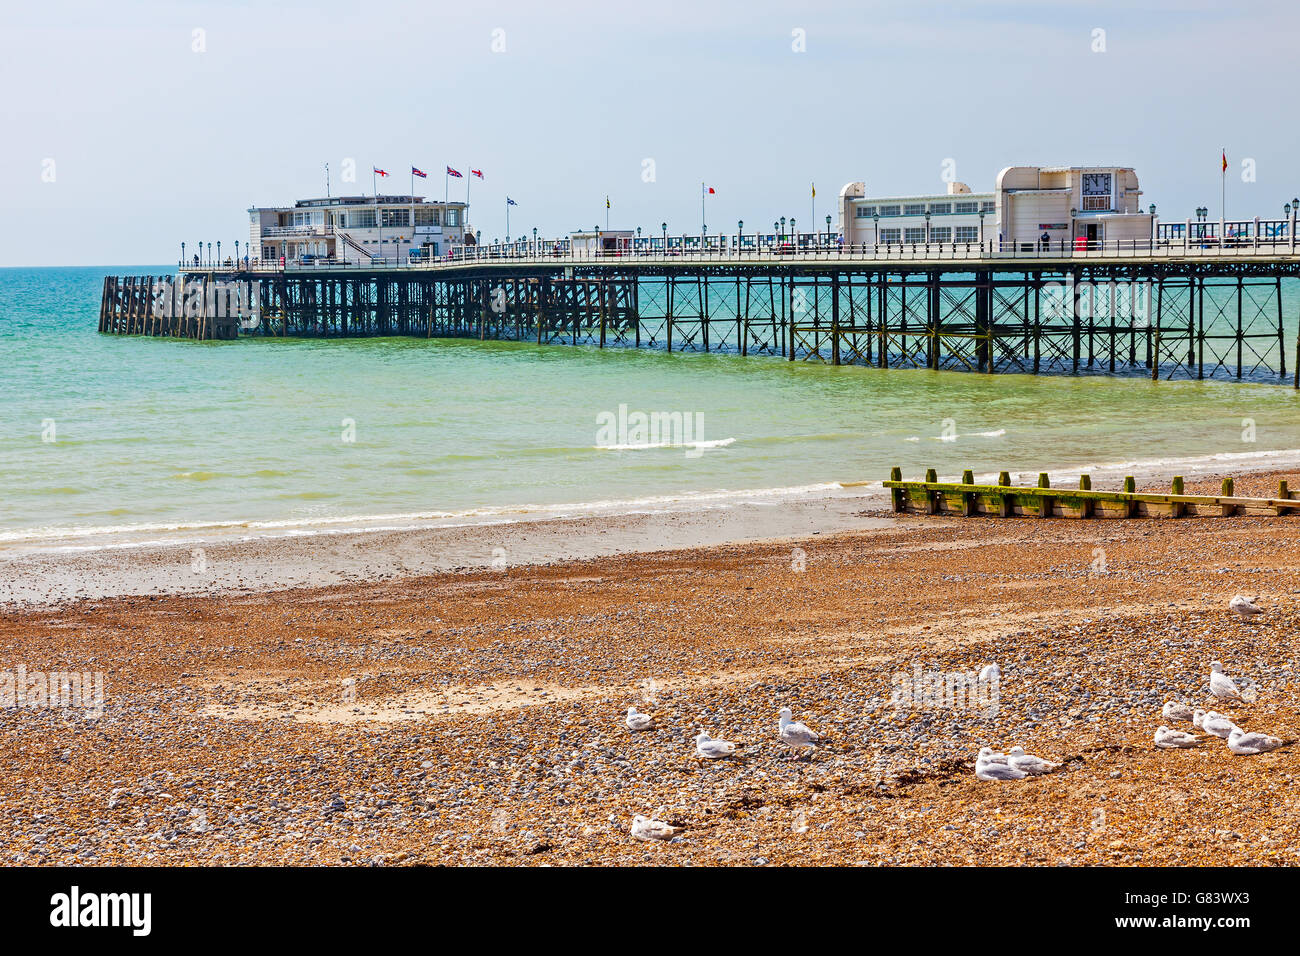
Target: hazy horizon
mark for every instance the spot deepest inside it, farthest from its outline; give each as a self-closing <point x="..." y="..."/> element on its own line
<point x="133" y="130"/>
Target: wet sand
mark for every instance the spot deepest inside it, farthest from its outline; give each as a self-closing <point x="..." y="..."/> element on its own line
<point x="475" y="716"/>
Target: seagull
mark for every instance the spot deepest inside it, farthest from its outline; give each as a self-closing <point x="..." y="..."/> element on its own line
<point x="796" y="735"/>
<point x="991" y="672"/>
<point x="1167" y="739"/>
<point x="1177" y="711"/>
<point x="1245" y="607"/>
<point x="710" y="749"/>
<point x="1240" y="742"/>
<point x="1221" y="685"/>
<point x="1198" y="718"/>
<point x="989" y="755"/>
<point x="1217" y="724"/>
<point x="636" y="721"/>
<point x="1030" y="764"/>
<point x="643" y="828"/>
<point x="994" y="766"/>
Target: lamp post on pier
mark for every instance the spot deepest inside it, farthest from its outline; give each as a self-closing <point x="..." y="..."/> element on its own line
<point x="182" y="255"/>
<point x="783" y="228"/>
<point x="218" y="252"/>
<point x="1153" y="225"/>
<point x="828" y="229"/>
<point x="927" y="227"/>
<point x="981" y="232"/>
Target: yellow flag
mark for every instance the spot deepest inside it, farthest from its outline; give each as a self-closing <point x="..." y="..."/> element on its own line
<point x="814" y="189"/>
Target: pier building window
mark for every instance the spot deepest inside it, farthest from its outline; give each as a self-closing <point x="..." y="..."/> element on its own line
<point x="941" y="233"/>
<point x="425" y="216"/>
<point x="360" y="219"/>
<point x="396" y="217"/>
<point x="966" y="208"/>
<point x="914" y="209"/>
<point x="968" y="234"/>
<point x="865" y="212"/>
<point x="988" y="206"/>
<point x="891" y="235"/>
<point x="940" y="208"/>
<point x="453" y="217"/>
<point x="914" y="235"/>
<point x="889" y="210"/>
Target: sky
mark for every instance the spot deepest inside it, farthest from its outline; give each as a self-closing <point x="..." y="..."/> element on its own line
<point x="130" y="127"/>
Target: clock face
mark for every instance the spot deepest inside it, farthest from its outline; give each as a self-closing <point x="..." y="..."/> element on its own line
<point x="1096" y="184"/>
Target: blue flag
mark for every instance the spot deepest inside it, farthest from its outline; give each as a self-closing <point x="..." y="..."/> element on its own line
<point x="511" y="202"/>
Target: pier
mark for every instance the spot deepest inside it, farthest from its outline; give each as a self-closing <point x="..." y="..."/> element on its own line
<point x="1177" y="306"/>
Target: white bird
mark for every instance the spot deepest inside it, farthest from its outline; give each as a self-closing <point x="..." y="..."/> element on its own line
<point x="1030" y="764"/>
<point x="1168" y="739"/>
<point x="1245" y="607"/>
<point x="796" y="735"/>
<point x="643" y="828"/>
<point x="710" y="749"/>
<point x="1217" y="724"/>
<point x="989" y="755"/>
<point x="1198" y="718"/>
<point x="1240" y="742"/>
<point x="993" y="766"/>
<point x="991" y="672"/>
<point x="1177" y="711"/>
<point x="638" y="721"/>
<point x="1221" y="685"/>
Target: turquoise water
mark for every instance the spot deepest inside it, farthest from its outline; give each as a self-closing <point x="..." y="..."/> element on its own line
<point x="154" y="434"/>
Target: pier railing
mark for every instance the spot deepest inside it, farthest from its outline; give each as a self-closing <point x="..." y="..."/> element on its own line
<point x="769" y="250"/>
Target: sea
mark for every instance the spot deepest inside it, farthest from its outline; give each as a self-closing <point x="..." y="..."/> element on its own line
<point x="109" y="441"/>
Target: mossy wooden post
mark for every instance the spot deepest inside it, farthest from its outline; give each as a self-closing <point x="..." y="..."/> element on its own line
<point x="1004" y="501"/>
<point x="897" y="495"/>
<point x="1044" y="502"/>
<point x="1130" y="487"/>
<point x="931" y="497"/>
<point x="1228" y="488"/>
<point x="1176" y="508"/>
<point x="968" y="497"/>
<point x="1086" y="504"/>
<point x="1285" y="493"/>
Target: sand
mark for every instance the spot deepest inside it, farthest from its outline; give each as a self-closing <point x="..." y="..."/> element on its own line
<point x="475" y="716"/>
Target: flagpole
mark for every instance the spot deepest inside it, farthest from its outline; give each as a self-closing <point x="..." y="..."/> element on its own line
<point x="704" y="225"/>
<point x="1223" y="190"/>
<point x="812" y="209"/>
<point x="468" y="176"/>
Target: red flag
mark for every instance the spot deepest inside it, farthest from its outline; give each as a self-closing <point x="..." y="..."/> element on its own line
<point x="419" y="172"/>
<point x="452" y="172"/>
<point x="711" y="191"/>
<point x="477" y="172"/>
<point x="1225" y="161"/>
<point x="379" y="171"/>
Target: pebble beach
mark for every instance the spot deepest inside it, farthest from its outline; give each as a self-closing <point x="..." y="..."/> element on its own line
<point x="476" y="717"/>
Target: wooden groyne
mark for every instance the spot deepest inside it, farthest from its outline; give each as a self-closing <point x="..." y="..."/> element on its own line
<point x="1004" y="500"/>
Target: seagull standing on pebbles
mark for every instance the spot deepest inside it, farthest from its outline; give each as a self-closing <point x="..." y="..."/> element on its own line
<point x="638" y="721"/>
<point x="1240" y="742"/>
<point x="994" y="766"/>
<point x="1167" y="739"/>
<point x="1218" y="724"/>
<point x="643" y="828"/>
<point x="1177" y="711"/>
<point x="710" y="749"/>
<point x="1221" y="685"/>
<point x="1245" y="607"/>
<point x="1030" y="764"/>
<point x="795" y="735"/>
<point x="991" y="672"/>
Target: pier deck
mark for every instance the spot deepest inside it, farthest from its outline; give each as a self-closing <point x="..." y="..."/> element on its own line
<point x="1165" y="309"/>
